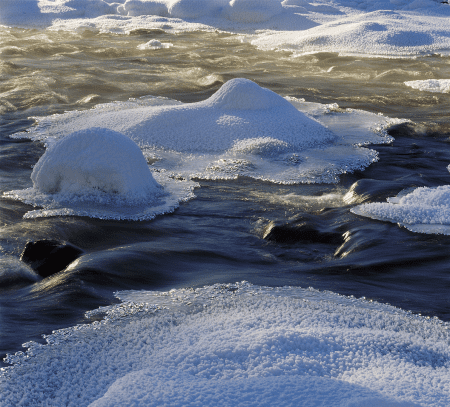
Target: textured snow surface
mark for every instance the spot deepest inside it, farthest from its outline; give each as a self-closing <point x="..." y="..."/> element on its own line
<point x="237" y="344"/>
<point x="101" y="173"/>
<point x="424" y="210"/>
<point x="382" y="28"/>
<point x="431" y="85"/>
<point x="241" y="130"/>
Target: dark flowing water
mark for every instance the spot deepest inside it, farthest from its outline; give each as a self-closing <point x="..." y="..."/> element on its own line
<point x="234" y="230"/>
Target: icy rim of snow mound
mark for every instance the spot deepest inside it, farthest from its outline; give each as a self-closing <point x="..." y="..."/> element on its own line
<point x="237" y="343"/>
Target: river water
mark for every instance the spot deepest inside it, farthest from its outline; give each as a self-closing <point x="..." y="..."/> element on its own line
<point x="223" y="234"/>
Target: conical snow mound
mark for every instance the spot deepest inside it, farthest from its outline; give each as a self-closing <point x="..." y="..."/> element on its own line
<point x="246" y="95"/>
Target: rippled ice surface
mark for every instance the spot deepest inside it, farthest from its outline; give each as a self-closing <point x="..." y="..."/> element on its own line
<point x="238" y="229"/>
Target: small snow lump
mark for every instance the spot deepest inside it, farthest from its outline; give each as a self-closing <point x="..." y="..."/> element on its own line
<point x="92" y="162"/>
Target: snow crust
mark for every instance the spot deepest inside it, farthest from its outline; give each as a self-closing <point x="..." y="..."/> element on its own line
<point x="237" y="344"/>
<point x="241" y="130"/>
<point x="431" y="85"/>
<point x="389" y="28"/>
<point x="97" y="172"/>
<point x="422" y="210"/>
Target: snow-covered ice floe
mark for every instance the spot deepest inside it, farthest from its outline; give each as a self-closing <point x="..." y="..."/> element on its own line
<point x="431" y="85"/>
<point x="237" y="344"/>
<point x="241" y="130"/>
<point x="400" y="28"/>
<point x="422" y="210"/>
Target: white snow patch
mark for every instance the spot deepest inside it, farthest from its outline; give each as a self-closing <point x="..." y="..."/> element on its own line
<point x="431" y="85"/>
<point x="423" y="210"/>
<point x="154" y="44"/>
<point x="237" y="344"/>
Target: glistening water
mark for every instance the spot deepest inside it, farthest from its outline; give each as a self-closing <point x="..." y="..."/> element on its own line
<point x="233" y="230"/>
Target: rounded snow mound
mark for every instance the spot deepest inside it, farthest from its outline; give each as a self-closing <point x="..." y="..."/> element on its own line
<point x="95" y="161"/>
<point x="244" y="94"/>
<point x="99" y="173"/>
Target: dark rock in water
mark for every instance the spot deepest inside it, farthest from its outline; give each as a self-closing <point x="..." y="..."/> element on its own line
<point x="47" y="257"/>
<point x="304" y="229"/>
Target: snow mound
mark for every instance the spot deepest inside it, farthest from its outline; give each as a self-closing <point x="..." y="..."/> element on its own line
<point x="376" y="33"/>
<point x="93" y="169"/>
<point x="95" y="161"/>
<point x="241" y="130"/>
<point x="237" y="344"/>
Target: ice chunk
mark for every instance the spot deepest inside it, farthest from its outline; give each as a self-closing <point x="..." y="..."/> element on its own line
<point x="423" y="210"/>
<point x="431" y="85"/>
<point x="155" y="44"/>
<point x="95" y="172"/>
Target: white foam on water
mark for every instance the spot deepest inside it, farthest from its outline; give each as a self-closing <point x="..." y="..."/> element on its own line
<point x="431" y="85"/>
<point x="397" y="28"/>
<point x="99" y="173"/>
<point x="237" y="344"/>
<point x="422" y="210"/>
<point x="154" y="44"/>
<point x="242" y="130"/>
